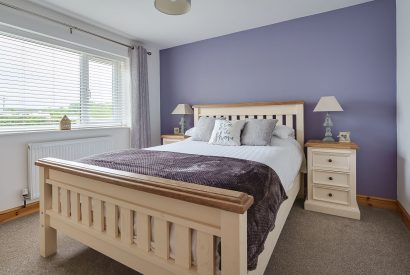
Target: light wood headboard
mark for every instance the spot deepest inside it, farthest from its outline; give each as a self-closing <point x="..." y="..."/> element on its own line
<point x="289" y="113"/>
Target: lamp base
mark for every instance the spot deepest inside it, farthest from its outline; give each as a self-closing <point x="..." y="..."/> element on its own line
<point x="328" y="126"/>
<point x="329" y="139"/>
<point x="182" y="125"/>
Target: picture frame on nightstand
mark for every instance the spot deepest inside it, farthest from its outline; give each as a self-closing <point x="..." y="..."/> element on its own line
<point x="344" y="137"/>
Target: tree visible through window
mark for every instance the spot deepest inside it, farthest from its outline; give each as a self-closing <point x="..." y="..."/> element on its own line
<point x="40" y="83"/>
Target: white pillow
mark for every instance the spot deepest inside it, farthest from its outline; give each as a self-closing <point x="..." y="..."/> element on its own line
<point x="284" y="131"/>
<point x="190" y="132"/>
<point x="227" y="132"/>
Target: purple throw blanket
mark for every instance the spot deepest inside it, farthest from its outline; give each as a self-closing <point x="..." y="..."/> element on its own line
<point x="253" y="178"/>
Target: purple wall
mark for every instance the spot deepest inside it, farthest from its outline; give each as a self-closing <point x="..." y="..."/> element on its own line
<point x="349" y="53"/>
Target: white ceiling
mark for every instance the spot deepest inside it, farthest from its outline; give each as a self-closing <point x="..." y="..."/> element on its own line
<point x="139" y="20"/>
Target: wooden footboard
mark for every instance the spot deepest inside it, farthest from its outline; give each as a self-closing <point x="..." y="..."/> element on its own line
<point x="113" y="211"/>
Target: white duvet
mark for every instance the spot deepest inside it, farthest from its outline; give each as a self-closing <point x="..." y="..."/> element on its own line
<point x="285" y="156"/>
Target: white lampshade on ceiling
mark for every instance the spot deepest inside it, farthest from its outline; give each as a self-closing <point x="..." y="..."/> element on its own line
<point x="173" y="7"/>
<point x="182" y="109"/>
<point x="328" y="104"/>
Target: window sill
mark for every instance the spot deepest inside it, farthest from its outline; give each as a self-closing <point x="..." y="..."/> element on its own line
<point x="50" y="131"/>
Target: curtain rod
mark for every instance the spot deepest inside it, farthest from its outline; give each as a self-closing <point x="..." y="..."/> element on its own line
<point x="69" y="26"/>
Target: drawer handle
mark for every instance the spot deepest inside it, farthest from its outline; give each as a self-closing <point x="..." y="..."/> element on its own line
<point x="329" y="160"/>
<point x="330" y="195"/>
<point x="330" y="178"/>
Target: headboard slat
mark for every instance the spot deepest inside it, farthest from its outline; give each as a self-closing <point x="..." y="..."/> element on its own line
<point x="279" y="119"/>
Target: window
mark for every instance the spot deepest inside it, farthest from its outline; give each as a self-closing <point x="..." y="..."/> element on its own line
<point x="40" y="83"/>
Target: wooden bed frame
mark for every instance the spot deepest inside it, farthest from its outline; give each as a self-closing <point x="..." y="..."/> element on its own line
<point x="212" y="212"/>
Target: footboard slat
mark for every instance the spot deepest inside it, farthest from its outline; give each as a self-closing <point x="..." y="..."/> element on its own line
<point x="111" y="219"/>
<point x="143" y="231"/>
<point x="85" y="210"/>
<point x="75" y="206"/>
<point x="56" y="199"/>
<point x="161" y="238"/>
<point x="98" y="215"/>
<point x="205" y="253"/>
<point x="126" y="225"/>
<point x="183" y="246"/>
<point x="65" y="202"/>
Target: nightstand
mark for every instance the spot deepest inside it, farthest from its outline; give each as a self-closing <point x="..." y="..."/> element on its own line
<point x="167" y="139"/>
<point x="332" y="178"/>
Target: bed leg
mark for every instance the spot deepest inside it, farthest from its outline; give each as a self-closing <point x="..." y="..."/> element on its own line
<point x="234" y="243"/>
<point x="48" y="235"/>
<point x="48" y="241"/>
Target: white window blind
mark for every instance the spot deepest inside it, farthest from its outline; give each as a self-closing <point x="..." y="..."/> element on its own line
<point x="40" y="83"/>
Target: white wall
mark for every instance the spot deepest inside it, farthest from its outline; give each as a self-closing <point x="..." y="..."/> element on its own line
<point x="13" y="150"/>
<point x="403" y="103"/>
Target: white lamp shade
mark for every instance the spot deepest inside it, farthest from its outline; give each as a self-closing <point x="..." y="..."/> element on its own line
<point x="173" y="7"/>
<point x="182" y="109"/>
<point x="328" y="104"/>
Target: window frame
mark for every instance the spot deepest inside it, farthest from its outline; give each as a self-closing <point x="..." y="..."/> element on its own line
<point x="120" y="78"/>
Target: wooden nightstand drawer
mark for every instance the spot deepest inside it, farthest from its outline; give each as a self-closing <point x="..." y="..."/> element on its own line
<point x="330" y="160"/>
<point x="331" y="178"/>
<point x="331" y="195"/>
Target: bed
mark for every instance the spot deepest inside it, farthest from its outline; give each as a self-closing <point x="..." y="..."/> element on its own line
<point x="97" y="206"/>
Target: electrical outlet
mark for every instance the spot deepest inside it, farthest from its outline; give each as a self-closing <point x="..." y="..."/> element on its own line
<point x="24" y="192"/>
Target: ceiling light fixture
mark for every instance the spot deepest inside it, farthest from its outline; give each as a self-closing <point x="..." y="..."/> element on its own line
<point x="173" y="7"/>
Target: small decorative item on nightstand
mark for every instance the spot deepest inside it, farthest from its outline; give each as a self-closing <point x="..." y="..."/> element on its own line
<point x="332" y="178"/>
<point x="344" y="136"/>
<point x="65" y="123"/>
<point x="176" y="131"/>
<point x="328" y="104"/>
<point x="182" y="109"/>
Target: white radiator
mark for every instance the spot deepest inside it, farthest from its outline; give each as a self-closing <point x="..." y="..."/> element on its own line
<point x="66" y="149"/>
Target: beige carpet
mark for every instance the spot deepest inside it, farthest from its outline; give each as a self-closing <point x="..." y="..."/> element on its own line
<point x="310" y="243"/>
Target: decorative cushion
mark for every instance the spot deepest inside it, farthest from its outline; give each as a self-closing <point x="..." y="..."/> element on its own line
<point x="284" y="132"/>
<point x="203" y="129"/>
<point x="258" y="132"/>
<point x="227" y="132"/>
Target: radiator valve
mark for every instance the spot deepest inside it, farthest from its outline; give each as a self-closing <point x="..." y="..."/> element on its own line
<point x="24" y="193"/>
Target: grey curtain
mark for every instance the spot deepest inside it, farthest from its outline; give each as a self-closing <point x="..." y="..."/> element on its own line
<point x="140" y="121"/>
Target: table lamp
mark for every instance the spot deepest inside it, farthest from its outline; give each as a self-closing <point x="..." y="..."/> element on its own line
<point x="182" y="109"/>
<point x="328" y="104"/>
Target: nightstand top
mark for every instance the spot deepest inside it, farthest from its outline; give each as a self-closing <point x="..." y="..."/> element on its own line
<point x="331" y="144"/>
<point x="172" y="136"/>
